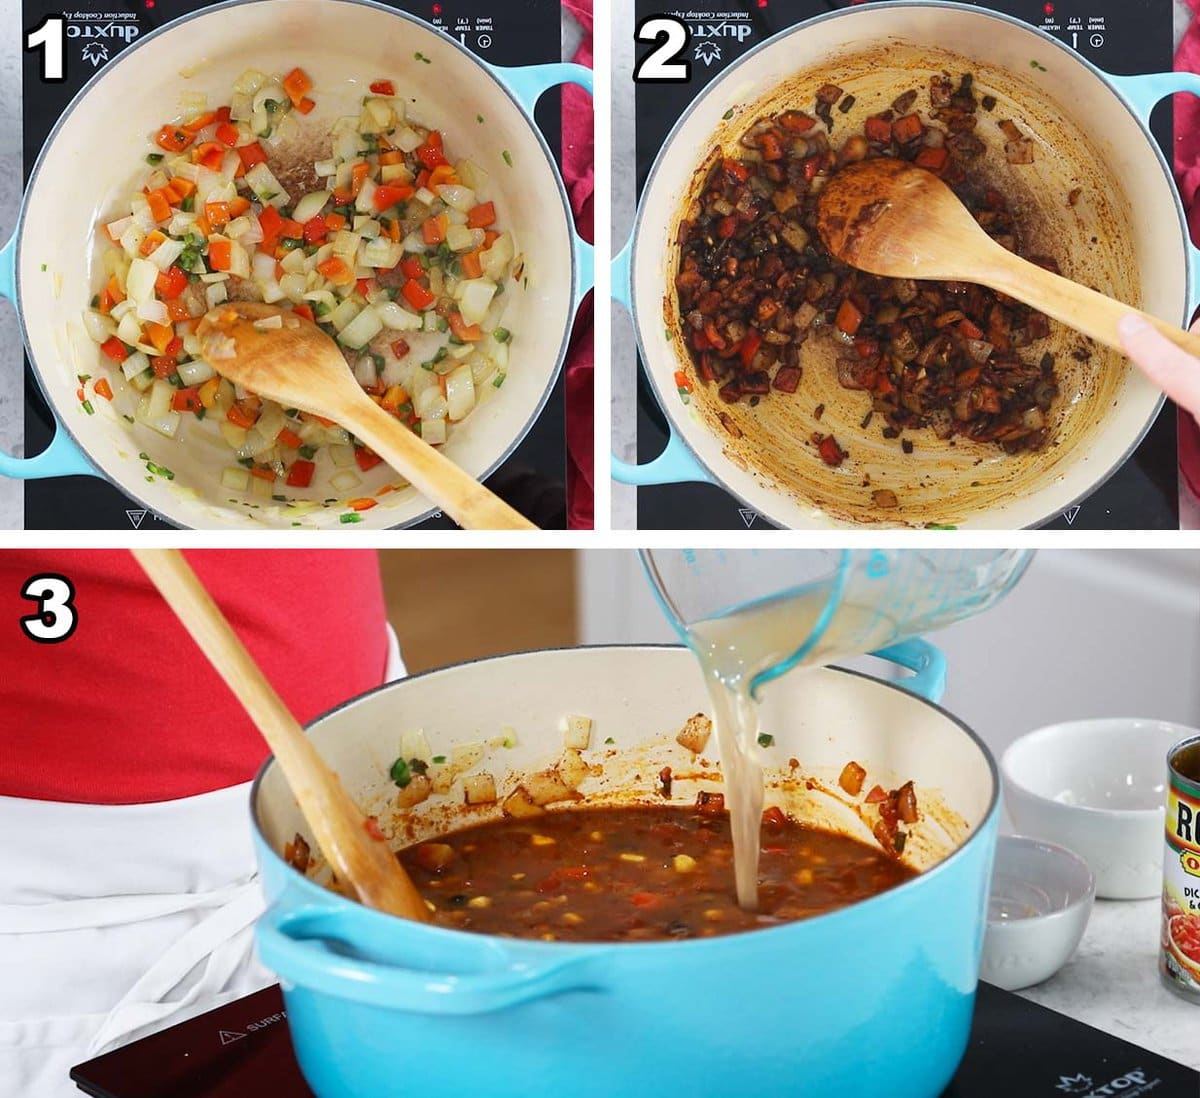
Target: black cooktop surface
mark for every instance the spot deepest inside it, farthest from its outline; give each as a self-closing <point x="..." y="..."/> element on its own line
<point x="1017" y="1050"/>
<point x="514" y="32"/>
<point x="1121" y="36"/>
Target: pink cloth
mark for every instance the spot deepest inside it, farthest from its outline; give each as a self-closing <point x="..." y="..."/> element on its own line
<point x="1187" y="175"/>
<point x="579" y="174"/>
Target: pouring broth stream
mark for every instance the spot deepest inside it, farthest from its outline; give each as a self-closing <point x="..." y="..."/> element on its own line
<point x="735" y="648"/>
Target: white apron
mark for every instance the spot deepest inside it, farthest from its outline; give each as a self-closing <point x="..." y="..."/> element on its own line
<point x="117" y="921"/>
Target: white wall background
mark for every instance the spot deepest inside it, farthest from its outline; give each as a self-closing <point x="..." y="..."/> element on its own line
<point x="1086" y="633"/>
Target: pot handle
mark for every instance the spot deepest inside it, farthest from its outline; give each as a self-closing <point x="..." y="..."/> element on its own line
<point x="676" y="464"/>
<point x="927" y="663"/>
<point x="1143" y="93"/>
<point x="62" y="457"/>
<point x="300" y="946"/>
<point x="529" y="83"/>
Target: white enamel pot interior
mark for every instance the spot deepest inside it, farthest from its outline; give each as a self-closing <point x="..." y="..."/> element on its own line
<point x="639" y="697"/>
<point x="1087" y="136"/>
<point x="95" y="158"/>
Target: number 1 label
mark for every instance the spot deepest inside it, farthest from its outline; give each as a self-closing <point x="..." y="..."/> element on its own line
<point x="49" y="36"/>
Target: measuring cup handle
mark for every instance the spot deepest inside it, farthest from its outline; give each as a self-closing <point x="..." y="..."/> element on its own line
<point x="927" y="663"/>
<point x="62" y="457"/>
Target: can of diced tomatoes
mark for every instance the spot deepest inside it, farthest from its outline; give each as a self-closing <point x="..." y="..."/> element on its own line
<point x="1180" y="954"/>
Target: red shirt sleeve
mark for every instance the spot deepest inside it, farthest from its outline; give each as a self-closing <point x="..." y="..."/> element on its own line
<point x="127" y="710"/>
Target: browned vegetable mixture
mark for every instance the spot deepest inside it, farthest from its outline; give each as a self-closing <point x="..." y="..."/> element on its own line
<point x="641" y="873"/>
<point x="755" y="280"/>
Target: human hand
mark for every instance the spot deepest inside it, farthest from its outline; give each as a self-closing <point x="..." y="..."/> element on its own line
<point x="1171" y="368"/>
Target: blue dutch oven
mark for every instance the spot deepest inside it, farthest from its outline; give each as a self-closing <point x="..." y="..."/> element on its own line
<point x="873" y="999"/>
<point x="94" y="158"/>
<point x="1126" y="234"/>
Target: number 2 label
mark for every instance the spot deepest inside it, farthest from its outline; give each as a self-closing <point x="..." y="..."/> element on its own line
<point x="56" y="618"/>
<point x="663" y="65"/>
<point x="49" y="36"/>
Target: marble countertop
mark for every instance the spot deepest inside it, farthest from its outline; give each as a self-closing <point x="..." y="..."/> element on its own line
<point x="1112" y="983"/>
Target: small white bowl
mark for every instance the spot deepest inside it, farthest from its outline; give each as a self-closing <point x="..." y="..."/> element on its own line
<point x="1097" y="787"/>
<point x="1038" y="907"/>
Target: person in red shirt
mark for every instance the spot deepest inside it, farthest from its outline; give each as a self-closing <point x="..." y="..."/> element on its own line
<point x="129" y="891"/>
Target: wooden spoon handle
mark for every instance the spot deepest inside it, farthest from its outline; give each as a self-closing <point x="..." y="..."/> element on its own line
<point x="459" y="494"/>
<point x="1084" y="309"/>
<point x="337" y="823"/>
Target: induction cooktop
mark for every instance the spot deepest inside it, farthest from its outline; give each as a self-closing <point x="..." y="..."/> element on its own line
<point x="1017" y="1049"/>
<point x="1120" y="36"/>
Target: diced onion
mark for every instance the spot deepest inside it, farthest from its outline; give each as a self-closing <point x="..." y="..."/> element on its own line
<point x="309" y="206"/>
<point x="460" y="393"/>
<point x="456" y="196"/>
<point x="139" y="284"/>
<point x="195" y="372"/>
<point x="362" y="329"/>
<point x="474" y="297"/>
<point x="397" y="318"/>
<point x="433" y="431"/>
<point x="235" y="478"/>
<point x="153" y="312"/>
<point x="344" y="481"/>
<point x="166" y="253"/>
<point x="134" y="364"/>
<point x="98" y="326"/>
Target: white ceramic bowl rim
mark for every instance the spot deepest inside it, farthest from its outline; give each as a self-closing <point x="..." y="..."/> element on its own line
<point x="1050" y="730"/>
<point x="382" y="921"/>
<point x="949" y="5"/>
<point x="60" y="422"/>
<point x="1050" y="851"/>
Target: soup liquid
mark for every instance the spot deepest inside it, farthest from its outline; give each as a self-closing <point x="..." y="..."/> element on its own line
<point x="733" y="649"/>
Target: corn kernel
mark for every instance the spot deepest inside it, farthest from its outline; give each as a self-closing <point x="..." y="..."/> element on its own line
<point x="590" y="886"/>
<point x="683" y="863"/>
<point x="429" y="904"/>
<point x="479" y="901"/>
<point x="571" y="918"/>
<point x="804" y="876"/>
<point x="542" y="840"/>
<point x="518" y="876"/>
<point x="715" y="915"/>
<point x="549" y="937"/>
<point x="597" y="836"/>
<point x="633" y="857"/>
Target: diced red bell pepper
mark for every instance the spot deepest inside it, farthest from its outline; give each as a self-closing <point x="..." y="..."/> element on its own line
<point x="430" y="154"/>
<point x="932" y="160"/>
<point x="304" y="311"/>
<point x="227" y="134"/>
<point x="337" y="271"/>
<point x="315" y="229"/>
<point x="363" y="503"/>
<point x="366" y="460"/>
<point x="186" y="400"/>
<point x="771" y="146"/>
<point x="727" y="226"/>
<point x="210" y="155"/>
<point x="289" y="438"/>
<point x="750" y="346"/>
<point x="849" y="317"/>
<point x="252" y="154"/>
<point x="831" y="453"/>
<point x="812" y="166"/>
<point x="297" y="84"/>
<point x="170" y="283"/>
<point x="460" y="329"/>
<point x="417" y="295"/>
<point x="103" y="388"/>
<point x="383" y="87"/>
<point x="481" y="216"/>
<point x="300" y="474"/>
<point x="400" y="347"/>
<point x="735" y="169"/>
<point x="908" y="128"/>
<point x="115" y="349"/>
<point x="386" y="196"/>
<point x="411" y="267"/>
<point x="220" y="254"/>
<point x="878" y="129"/>
<point x="173" y="139"/>
<point x="269" y="221"/>
<point x="968" y="329"/>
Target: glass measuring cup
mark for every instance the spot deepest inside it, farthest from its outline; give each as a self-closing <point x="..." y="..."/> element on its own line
<point x="828" y="604"/>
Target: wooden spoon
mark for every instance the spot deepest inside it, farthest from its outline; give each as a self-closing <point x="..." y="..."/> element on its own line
<point x="299" y="366"/>
<point x="891" y="218"/>
<point x="340" y="828"/>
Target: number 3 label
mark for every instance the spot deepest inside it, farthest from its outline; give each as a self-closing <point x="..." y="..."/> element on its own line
<point x="56" y="618"/>
<point x="662" y="65"/>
